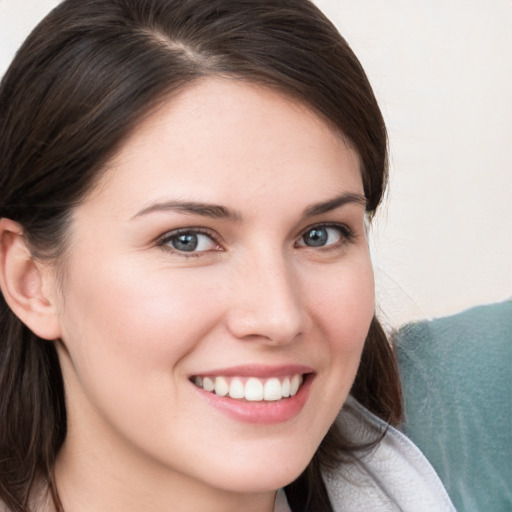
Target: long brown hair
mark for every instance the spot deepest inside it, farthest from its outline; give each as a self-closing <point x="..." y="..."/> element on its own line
<point x="78" y="86"/>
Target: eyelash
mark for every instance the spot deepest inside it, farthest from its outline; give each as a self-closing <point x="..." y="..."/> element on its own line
<point x="345" y="233"/>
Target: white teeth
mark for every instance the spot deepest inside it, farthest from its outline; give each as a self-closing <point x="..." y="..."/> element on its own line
<point x="208" y="384"/>
<point x="286" y="387"/>
<point x="237" y="389"/>
<point x="272" y="390"/>
<point x="254" y="389"/>
<point x="295" y="384"/>
<point x="221" y="386"/>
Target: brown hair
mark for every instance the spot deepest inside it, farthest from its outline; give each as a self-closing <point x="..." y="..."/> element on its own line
<point x="79" y="84"/>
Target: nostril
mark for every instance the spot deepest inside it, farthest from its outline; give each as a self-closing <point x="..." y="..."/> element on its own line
<point x="265" y="324"/>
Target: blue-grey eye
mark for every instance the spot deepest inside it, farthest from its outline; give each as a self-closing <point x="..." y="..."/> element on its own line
<point x="186" y="242"/>
<point x="190" y="241"/>
<point x="321" y="236"/>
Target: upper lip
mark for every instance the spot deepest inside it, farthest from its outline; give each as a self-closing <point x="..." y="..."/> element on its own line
<point x="260" y="371"/>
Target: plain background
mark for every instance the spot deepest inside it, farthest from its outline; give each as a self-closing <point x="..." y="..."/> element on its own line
<point x="442" y="72"/>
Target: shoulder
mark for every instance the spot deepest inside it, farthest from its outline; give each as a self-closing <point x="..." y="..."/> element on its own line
<point x="392" y="476"/>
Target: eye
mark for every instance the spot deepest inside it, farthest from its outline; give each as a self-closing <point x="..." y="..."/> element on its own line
<point x="189" y="241"/>
<point x="324" y="236"/>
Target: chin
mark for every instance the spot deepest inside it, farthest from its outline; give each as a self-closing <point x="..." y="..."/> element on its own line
<point x="262" y="480"/>
<point x="267" y="471"/>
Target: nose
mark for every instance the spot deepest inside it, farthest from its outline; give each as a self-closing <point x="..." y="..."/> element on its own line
<point x="266" y="303"/>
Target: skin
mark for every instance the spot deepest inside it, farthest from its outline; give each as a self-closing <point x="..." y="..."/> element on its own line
<point x="137" y="318"/>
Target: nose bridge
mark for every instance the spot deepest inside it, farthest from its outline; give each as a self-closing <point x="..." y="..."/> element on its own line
<point x="266" y="302"/>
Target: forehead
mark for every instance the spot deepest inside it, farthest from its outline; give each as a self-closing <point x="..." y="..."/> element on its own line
<point x="220" y="137"/>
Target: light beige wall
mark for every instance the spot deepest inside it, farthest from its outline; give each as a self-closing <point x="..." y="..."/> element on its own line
<point x="442" y="71"/>
<point x="17" y="18"/>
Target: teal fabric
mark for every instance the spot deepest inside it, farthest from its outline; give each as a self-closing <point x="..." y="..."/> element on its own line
<point x="457" y="379"/>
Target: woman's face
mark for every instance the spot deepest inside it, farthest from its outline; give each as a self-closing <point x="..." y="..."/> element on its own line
<point x="225" y="246"/>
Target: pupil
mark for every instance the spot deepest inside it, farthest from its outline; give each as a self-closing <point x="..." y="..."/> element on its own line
<point x="185" y="242"/>
<point x="316" y="237"/>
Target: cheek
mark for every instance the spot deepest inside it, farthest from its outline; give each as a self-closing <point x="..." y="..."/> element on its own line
<point x="125" y="340"/>
<point x="136" y="323"/>
<point x="344" y="304"/>
<point x="345" y="311"/>
<point x="343" y="308"/>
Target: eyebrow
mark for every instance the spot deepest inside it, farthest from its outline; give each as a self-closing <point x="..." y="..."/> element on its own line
<point x="216" y="211"/>
<point x="336" y="202"/>
<point x="213" y="211"/>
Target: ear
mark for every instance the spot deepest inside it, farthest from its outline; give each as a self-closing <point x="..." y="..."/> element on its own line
<point x="25" y="283"/>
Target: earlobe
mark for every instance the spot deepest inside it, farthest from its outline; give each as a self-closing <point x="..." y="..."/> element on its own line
<point x="22" y="283"/>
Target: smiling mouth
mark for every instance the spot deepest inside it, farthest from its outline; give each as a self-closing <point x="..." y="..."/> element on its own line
<point x="251" y="389"/>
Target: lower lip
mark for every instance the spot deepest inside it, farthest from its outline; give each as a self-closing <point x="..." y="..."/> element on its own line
<point x="267" y="413"/>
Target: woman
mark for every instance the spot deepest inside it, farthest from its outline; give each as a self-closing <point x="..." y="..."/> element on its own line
<point x="187" y="290"/>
